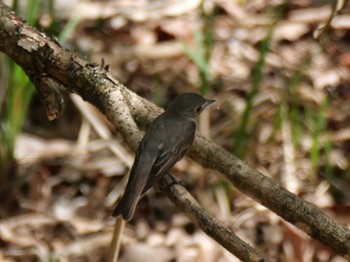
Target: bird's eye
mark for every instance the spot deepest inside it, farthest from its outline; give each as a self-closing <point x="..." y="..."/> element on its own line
<point x="198" y="109"/>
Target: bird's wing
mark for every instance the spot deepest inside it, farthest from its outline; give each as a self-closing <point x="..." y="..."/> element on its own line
<point x="138" y="179"/>
<point x="168" y="158"/>
<point x="141" y="168"/>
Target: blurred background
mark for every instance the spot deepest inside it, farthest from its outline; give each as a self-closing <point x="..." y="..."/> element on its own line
<point x="279" y="71"/>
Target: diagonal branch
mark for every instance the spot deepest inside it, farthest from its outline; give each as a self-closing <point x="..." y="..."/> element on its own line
<point x="228" y="239"/>
<point x="38" y="55"/>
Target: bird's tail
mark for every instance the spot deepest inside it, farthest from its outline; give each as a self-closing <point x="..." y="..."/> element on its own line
<point x="126" y="206"/>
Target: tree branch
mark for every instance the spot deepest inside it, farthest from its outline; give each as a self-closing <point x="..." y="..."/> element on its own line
<point x="38" y="55"/>
<point x="226" y="238"/>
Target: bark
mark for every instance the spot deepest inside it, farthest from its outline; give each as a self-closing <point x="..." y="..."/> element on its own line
<point x="41" y="57"/>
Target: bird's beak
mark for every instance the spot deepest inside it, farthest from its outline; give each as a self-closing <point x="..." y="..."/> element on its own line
<point x="209" y="101"/>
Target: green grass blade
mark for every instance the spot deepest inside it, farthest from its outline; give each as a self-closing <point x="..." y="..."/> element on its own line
<point x="241" y="135"/>
<point x="32" y="11"/>
<point x="68" y="29"/>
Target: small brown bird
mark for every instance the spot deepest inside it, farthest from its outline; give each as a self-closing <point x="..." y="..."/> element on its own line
<point x="165" y="142"/>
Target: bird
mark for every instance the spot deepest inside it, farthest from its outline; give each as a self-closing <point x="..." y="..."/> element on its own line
<point x="165" y="142"/>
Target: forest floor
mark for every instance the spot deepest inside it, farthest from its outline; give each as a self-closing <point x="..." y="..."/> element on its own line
<point x="281" y="82"/>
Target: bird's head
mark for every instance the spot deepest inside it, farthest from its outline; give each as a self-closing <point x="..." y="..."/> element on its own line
<point x="189" y="104"/>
